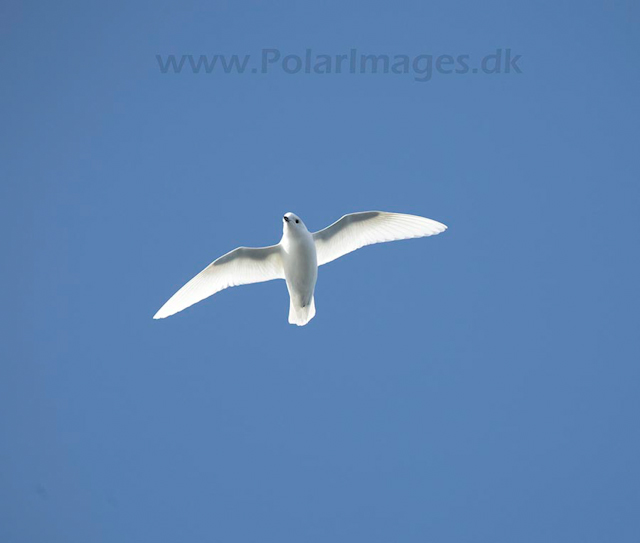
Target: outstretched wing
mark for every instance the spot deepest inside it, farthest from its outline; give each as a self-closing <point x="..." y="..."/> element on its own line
<point x="359" y="229"/>
<point x="241" y="266"/>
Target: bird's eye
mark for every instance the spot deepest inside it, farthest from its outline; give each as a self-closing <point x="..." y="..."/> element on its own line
<point x="297" y="221"/>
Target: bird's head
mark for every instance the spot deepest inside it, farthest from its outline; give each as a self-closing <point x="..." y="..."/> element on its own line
<point x="292" y="223"/>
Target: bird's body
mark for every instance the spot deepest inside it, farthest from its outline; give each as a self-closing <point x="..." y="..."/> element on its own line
<point x="297" y="257"/>
<point x="300" y="263"/>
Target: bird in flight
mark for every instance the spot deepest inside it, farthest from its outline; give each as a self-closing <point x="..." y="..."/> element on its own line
<point x="297" y="257"/>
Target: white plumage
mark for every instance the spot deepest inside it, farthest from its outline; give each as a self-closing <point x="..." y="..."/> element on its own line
<point x="297" y="257"/>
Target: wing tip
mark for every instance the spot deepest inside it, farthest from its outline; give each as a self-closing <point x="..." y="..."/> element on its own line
<point x="438" y="226"/>
<point x="160" y="314"/>
<point x="435" y="227"/>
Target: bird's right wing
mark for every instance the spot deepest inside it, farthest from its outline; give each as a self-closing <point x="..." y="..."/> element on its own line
<point x="241" y="266"/>
<point x="359" y="229"/>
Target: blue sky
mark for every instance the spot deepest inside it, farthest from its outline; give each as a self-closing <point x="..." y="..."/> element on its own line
<point x="482" y="385"/>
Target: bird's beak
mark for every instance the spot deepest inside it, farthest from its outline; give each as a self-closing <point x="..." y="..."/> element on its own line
<point x="286" y="219"/>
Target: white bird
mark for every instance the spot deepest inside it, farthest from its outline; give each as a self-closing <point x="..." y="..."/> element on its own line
<point x="297" y="257"/>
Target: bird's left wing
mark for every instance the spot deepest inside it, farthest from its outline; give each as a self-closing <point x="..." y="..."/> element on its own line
<point x="368" y="227"/>
<point x="241" y="266"/>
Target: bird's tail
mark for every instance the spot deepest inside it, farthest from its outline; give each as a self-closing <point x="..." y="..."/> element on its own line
<point x="301" y="315"/>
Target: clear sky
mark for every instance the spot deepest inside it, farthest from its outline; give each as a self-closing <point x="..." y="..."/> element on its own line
<point x="482" y="385"/>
